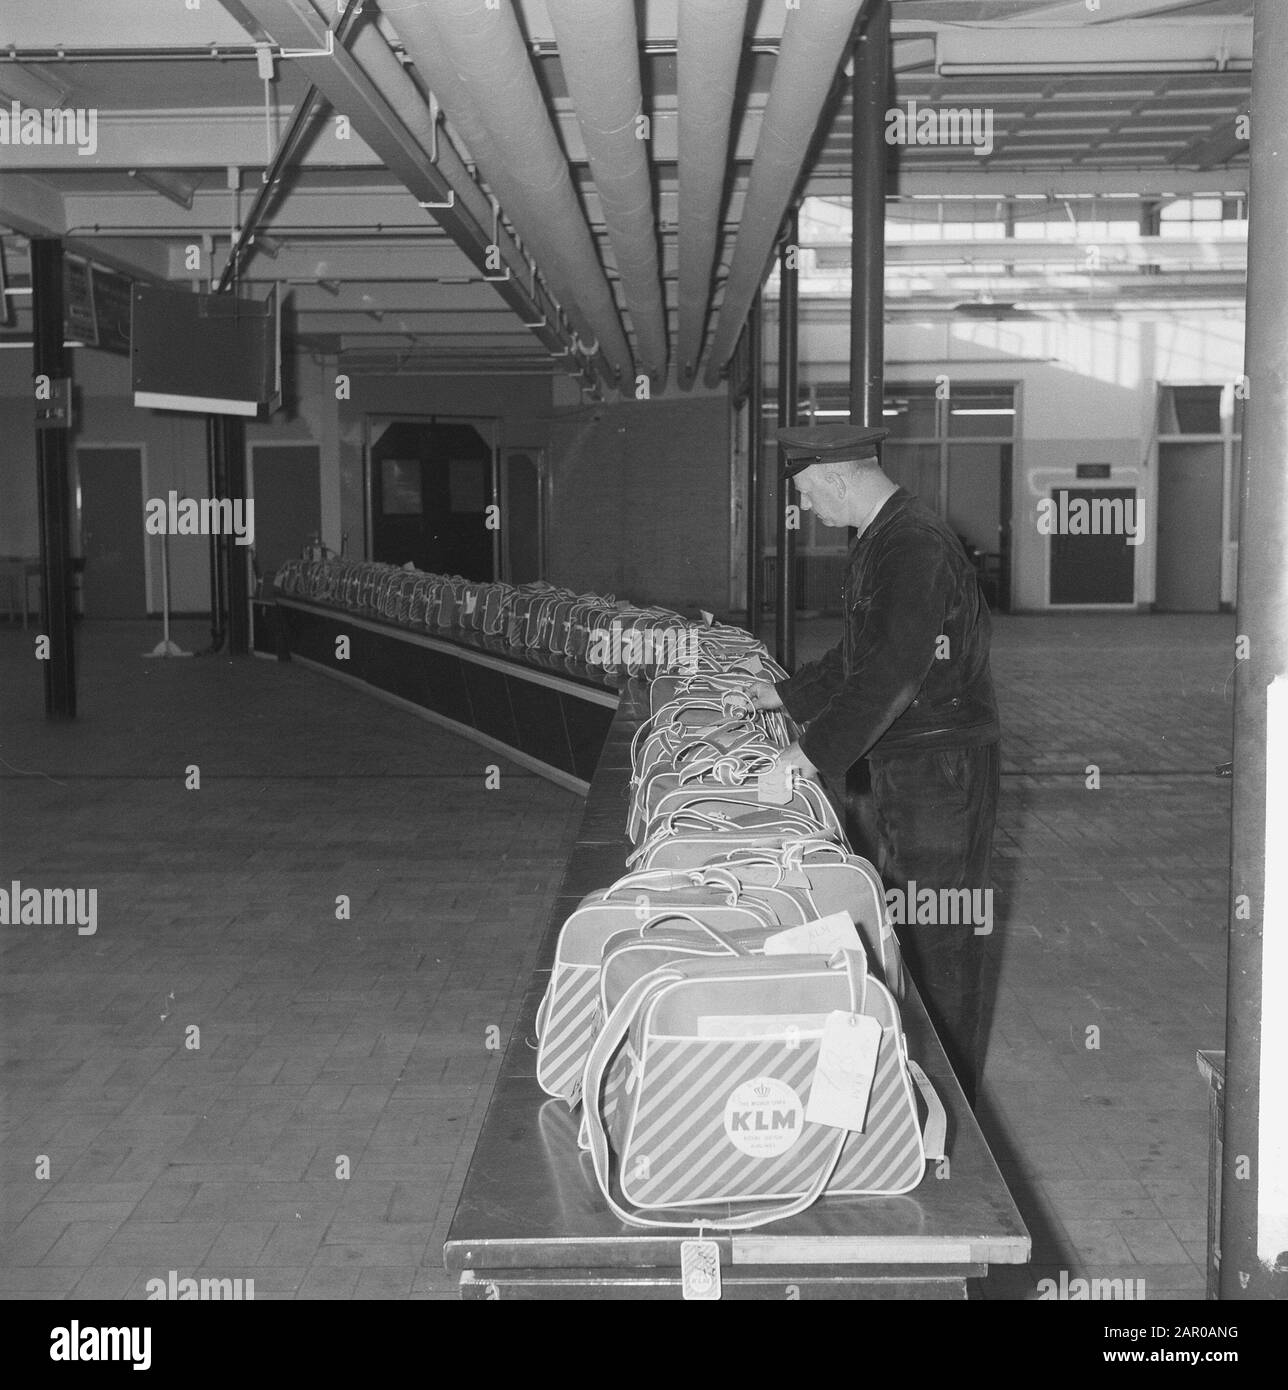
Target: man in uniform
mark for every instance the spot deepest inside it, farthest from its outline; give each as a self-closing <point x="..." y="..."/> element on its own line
<point x="908" y="687"/>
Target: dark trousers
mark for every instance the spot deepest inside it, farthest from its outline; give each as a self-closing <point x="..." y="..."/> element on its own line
<point x="930" y="821"/>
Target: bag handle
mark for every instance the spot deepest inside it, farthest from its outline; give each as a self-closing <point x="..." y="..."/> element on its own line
<point x="934" y="1135"/>
<point x="665" y="718"/>
<point x="726" y="770"/>
<point x="602" y="1051"/>
<point x="785" y="819"/>
<point x="646" y="878"/>
<point x="790" y="856"/>
<point x="734" y="948"/>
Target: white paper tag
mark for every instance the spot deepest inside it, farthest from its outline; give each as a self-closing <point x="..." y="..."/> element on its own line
<point x="777" y="786"/>
<point x="824" y="937"/>
<point x="700" y="1270"/>
<point x="707" y="618"/>
<point x="847" y="1062"/>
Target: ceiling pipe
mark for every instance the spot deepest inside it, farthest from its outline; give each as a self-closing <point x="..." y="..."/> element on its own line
<point x="475" y="61"/>
<point x="816" y="37"/>
<point x="370" y="105"/>
<point x="374" y="56"/>
<point x="709" y="51"/>
<point x="599" y="53"/>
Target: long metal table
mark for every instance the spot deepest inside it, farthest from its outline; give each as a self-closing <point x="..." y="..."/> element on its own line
<point x="531" y="1222"/>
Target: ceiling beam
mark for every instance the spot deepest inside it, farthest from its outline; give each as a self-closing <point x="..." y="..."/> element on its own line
<point x="33" y="208"/>
<point x="185" y="139"/>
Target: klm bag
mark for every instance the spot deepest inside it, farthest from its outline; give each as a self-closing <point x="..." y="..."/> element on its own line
<point x="710" y="685"/>
<point x="688" y="839"/>
<point x="666" y="745"/>
<point x="700" y="764"/>
<point x="835" y="881"/>
<point x="566" y="1018"/>
<point x="728" y="787"/>
<point x="699" y="1082"/>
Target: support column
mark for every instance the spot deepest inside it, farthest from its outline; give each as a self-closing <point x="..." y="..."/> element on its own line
<point x="231" y="430"/>
<point x="229" y="563"/>
<point x="53" y="417"/>
<point x="788" y="288"/>
<point x="755" y="448"/>
<point x="870" y="90"/>
<point x="1253" y="1239"/>
<point x="218" y="576"/>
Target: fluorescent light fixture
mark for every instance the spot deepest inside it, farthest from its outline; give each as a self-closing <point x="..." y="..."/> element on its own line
<point x="1092" y="69"/>
<point x="179" y="188"/>
<point x="999" y="410"/>
<point x="202" y="405"/>
<point x="26" y="343"/>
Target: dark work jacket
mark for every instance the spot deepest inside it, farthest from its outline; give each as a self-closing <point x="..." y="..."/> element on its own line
<point x="910" y="673"/>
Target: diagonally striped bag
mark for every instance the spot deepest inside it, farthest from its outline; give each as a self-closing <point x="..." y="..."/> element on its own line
<point x="706" y="1068"/>
<point x="838" y="881"/>
<point x="567" y="1018"/>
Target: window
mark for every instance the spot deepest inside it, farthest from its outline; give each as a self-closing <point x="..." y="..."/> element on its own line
<point x="1189" y="410"/>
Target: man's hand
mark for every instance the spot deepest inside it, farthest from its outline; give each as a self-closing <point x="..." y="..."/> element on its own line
<point x="793" y="758"/>
<point x="764" y="695"/>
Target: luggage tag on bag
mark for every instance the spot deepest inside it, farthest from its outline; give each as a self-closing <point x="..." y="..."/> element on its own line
<point x="700" y="1270"/>
<point x="822" y="937"/>
<point x="847" y="1063"/>
<point x="777" y="786"/>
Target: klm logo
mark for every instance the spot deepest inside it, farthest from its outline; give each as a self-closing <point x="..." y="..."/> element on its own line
<point x="763" y="1117"/>
<point x="761" y="1121"/>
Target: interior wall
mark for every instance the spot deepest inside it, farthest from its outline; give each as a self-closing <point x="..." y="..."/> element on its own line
<point x="174" y="444"/>
<point x="520" y="405"/>
<point x="1088" y="389"/>
<point x="640" y="500"/>
<point x="174" y="456"/>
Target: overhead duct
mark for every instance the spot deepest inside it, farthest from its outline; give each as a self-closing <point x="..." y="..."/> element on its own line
<point x="391" y="115"/>
<point x="815" y="39"/>
<point x="709" y="51"/>
<point x="475" y="61"/>
<point x="374" y="56"/>
<point x="599" y="52"/>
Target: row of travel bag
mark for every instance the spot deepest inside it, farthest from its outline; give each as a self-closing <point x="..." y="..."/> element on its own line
<point x="602" y="632"/>
<point x="726" y="1014"/>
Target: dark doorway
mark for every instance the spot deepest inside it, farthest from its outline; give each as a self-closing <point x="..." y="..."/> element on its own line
<point x="524" y="519"/>
<point x="431" y="486"/>
<point x="114" y="583"/>
<point x="1188" y="576"/>
<point x="1093" y="568"/>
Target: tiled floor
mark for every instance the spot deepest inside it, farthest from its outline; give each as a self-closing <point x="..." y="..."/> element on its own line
<point x="1112" y="905"/>
<point x="366" y="1041"/>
